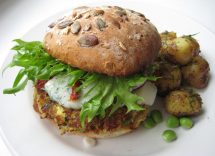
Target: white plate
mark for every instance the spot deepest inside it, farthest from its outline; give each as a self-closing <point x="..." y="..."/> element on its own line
<point x="27" y="135"/>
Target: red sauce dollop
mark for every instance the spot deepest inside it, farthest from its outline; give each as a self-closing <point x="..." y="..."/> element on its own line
<point x="40" y="84"/>
<point x="74" y="95"/>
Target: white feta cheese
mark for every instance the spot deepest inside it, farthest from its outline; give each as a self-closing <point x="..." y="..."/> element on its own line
<point x="59" y="91"/>
<point x="148" y="91"/>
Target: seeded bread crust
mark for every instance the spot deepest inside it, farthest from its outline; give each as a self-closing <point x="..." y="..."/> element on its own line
<point x="109" y="40"/>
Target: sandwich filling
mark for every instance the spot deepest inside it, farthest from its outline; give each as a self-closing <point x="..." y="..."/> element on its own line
<point x="97" y="92"/>
<point x="59" y="91"/>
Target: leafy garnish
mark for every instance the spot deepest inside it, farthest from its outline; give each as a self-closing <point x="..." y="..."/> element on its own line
<point x="37" y="65"/>
<point x="100" y="91"/>
<point x="190" y="36"/>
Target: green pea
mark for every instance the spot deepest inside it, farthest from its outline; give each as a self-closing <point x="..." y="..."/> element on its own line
<point x="149" y="123"/>
<point x="156" y="116"/>
<point x="186" y="122"/>
<point x="169" y="135"/>
<point x="172" y="122"/>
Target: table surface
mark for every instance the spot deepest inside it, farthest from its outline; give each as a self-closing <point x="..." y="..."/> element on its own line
<point x="19" y="16"/>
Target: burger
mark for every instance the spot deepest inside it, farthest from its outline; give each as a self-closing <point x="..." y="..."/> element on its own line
<point x="89" y="73"/>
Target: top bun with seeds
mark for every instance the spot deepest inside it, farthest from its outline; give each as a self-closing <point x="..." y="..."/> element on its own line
<point x="109" y="40"/>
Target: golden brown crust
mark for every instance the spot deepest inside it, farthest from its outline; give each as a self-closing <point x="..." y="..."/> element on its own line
<point x="109" y="40"/>
<point x="68" y="120"/>
<point x="170" y="77"/>
<point x="183" y="103"/>
<point x="196" y="73"/>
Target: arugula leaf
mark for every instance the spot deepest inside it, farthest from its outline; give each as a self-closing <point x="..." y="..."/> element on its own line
<point x="18" y="77"/>
<point x="17" y="88"/>
<point x="100" y="91"/>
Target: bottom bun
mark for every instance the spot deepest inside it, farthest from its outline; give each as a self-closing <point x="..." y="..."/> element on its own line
<point x="68" y="120"/>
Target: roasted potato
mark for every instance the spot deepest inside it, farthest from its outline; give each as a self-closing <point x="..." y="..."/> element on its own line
<point x="167" y="35"/>
<point x="170" y="77"/>
<point x="179" y="50"/>
<point x="196" y="73"/>
<point x="183" y="103"/>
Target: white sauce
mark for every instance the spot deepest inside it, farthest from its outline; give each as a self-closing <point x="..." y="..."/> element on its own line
<point x="59" y="91"/>
<point x="148" y="91"/>
<point x="89" y="142"/>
